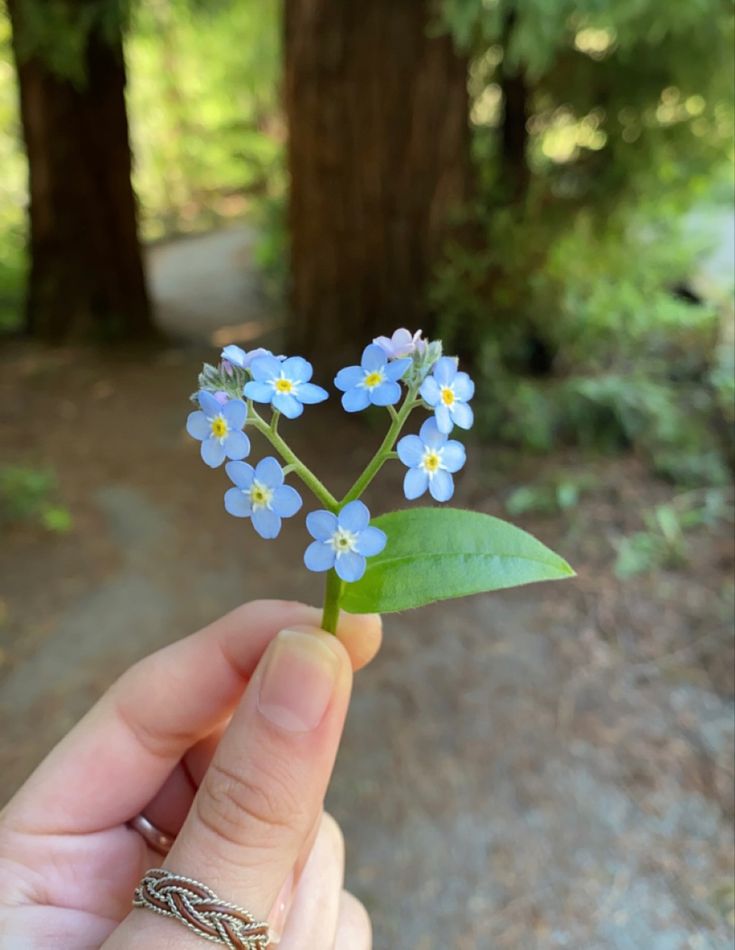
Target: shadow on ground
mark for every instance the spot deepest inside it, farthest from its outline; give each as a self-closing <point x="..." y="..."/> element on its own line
<point x="544" y="768"/>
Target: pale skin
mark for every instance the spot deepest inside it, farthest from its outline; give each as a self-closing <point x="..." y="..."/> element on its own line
<point x="211" y="741"/>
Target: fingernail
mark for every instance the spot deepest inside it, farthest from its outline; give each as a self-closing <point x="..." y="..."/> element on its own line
<point x="281" y="907"/>
<point x="298" y="681"/>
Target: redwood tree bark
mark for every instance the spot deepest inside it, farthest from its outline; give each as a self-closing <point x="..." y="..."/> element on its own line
<point x="378" y="157"/>
<point x="86" y="275"/>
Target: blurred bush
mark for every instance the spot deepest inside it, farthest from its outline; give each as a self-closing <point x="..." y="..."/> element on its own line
<point x="27" y="496"/>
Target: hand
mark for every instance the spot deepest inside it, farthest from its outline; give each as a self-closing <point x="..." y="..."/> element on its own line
<point x="225" y="740"/>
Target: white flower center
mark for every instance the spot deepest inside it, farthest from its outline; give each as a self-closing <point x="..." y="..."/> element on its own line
<point x="260" y="495"/>
<point x="219" y="428"/>
<point x="431" y="461"/>
<point x="373" y="379"/>
<point x="343" y="541"/>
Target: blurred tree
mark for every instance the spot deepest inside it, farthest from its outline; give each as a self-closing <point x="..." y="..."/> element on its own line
<point x="86" y="277"/>
<point x="378" y="157"/>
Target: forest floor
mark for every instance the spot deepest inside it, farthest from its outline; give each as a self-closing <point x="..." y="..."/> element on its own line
<point x="543" y="768"/>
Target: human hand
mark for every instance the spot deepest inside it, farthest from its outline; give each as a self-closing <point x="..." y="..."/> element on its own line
<point x="225" y="740"/>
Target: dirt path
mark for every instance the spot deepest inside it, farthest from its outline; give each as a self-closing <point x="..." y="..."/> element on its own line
<point x="546" y="768"/>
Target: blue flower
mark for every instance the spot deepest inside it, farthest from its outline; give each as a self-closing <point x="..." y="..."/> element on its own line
<point x="259" y="494"/>
<point x="236" y="356"/>
<point x="448" y="393"/>
<point x="343" y="541"/>
<point x="431" y="460"/>
<point x="374" y="381"/>
<point x="218" y="426"/>
<point x="402" y="343"/>
<point x="284" y="384"/>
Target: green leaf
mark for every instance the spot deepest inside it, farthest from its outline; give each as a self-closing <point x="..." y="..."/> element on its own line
<point x="439" y="553"/>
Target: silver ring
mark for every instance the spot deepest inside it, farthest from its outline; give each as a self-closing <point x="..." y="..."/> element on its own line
<point x="197" y="907"/>
<point x="156" y="839"/>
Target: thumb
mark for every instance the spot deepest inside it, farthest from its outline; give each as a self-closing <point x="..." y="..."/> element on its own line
<point x="264" y="790"/>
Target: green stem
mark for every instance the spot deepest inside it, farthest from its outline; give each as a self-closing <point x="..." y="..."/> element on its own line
<point x="332" y="595"/>
<point x="315" y="486"/>
<point x="386" y="448"/>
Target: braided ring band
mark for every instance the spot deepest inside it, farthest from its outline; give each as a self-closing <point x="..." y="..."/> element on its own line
<point x="197" y="907"/>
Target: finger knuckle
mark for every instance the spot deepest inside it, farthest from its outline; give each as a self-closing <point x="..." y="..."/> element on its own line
<point x="245" y="809"/>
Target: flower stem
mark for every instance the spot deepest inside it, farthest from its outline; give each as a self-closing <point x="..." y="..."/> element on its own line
<point x="315" y="486"/>
<point x="386" y="447"/>
<point x="332" y="595"/>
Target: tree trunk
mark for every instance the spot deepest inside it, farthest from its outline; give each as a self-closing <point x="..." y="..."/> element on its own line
<point x="378" y="158"/>
<point x="86" y="277"/>
<point x="515" y="174"/>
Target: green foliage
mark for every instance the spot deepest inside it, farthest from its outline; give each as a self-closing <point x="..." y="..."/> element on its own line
<point x="557" y="492"/>
<point x="440" y="553"/>
<point x="663" y="544"/>
<point x="26" y="496"/>
<point x="12" y="191"/>
<point x="58" y="32"/>
<point x="204" y="109"/>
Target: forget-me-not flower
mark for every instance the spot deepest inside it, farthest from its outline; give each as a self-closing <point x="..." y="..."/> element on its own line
<point x="401" y="344"/>
<point x="259" y="494"/>
<point x="448" y="392"/>
<point x="431" y="459"/>
<point x="343" y="541"/>
<point x="218" y="426"/>
<point x="236" y="356"/>
<point x="374" y="381"/>
<point x="284" y="384"/>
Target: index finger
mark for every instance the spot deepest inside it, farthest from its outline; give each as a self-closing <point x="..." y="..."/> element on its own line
<point x="117" y="757"/>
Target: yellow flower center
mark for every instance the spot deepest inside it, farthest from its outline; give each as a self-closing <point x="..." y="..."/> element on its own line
<point x="373" y="379"/>
<point x="284" y="386"/>
<point x="431" y="461"/>
<point x="219" y="427"/>
<point x="343" y="541"/>
<point x="447" y="395"/>
<point x="260" y="495"/>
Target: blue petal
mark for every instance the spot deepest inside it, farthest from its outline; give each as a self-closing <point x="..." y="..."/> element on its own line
<point x="410" y="450"/>
<point x="321" y="524"/>
<point x="445" y="369"/>
<point x="373" y="358"/>
<point x="310" y="393"/>
<point x="235" y="412"/>
<point x="269" y="472"/>
<point x="355" y="399"/>
<point x="462" y="415"/>
<point x="441" y="486"/>
<point x="350" y="567"/>
<point x="297" y="369"/>
<point x="197" y="425"/>
<point x="355" y="516"/>
<point x="430" y="434"/>
<point x="319" y="556"/>
<point x="415" y="483"/>
<point x="237" y="445"/>
<point x="234" y="354"/>
<point x="237" y="503"/>
<point x="443" y="418"/>
<point x="396" y="369"/>
<point x="240" y="473"/>
<point x="213" y="452"/>
<point x="453" y="456"/>
<point x="209" y="404"/>
<point x="371" y="541"/>
<point x="264" y="368"/>
<point x="348" y="378"/>
<point x="429" y="391"/>
<point x="386" y="394"/>
<point x="288" y="405"/>
<point x="464" y="388"/>
<point x="260" y="392"/>
<point x="266" y="522"/>
<point x="286" y="501"/>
